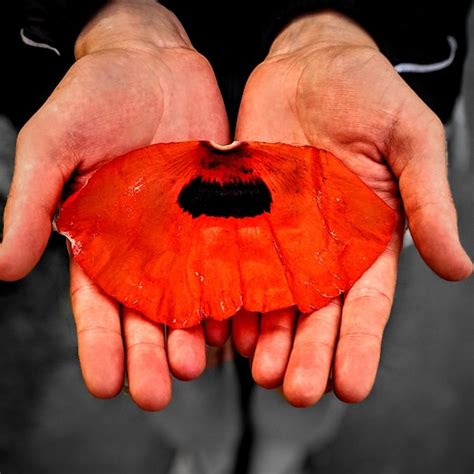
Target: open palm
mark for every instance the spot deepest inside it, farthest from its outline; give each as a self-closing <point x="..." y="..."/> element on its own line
<point x="348" y="99"/>
<point x="110" y="102"/>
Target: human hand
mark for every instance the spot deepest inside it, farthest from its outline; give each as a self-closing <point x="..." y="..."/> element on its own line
<point x="325" y="83"/>
<point x="137" y="81"/>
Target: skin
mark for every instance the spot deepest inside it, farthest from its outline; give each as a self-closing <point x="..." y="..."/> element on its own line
<point x="325" y="83"/>
<point x="129" y="88"/>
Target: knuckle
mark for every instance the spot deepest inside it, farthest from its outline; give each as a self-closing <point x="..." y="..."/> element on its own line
<point x="98" y="330"/>
<point x="318" y="345"/>
<point x="81" y="290"/>
<point x="372" y="293"/>
<point x="358" y="335"/>
<point x="144" y="346"/>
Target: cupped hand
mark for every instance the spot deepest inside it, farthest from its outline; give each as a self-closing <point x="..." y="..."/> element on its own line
<point x="325" y="83"/>
<point x="137" y="80"/>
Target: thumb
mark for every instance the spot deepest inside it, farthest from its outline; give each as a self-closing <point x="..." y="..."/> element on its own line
<point x="34" y="196"/>
<point x="417" y="156"/>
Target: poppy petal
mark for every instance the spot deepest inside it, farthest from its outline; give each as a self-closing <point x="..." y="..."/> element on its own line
<point x="185" y="231"/>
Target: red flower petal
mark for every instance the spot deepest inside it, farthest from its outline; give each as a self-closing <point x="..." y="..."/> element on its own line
<point x="185" y="231"/>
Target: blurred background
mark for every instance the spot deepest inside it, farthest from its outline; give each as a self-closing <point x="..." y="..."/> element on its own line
<point x="418" y="419"/>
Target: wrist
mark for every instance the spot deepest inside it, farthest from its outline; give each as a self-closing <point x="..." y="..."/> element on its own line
<point x="136" y="24"/>
<point x="319" y="30"/>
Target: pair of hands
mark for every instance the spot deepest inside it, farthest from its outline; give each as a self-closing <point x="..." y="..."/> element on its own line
<point x="138" y="81"/>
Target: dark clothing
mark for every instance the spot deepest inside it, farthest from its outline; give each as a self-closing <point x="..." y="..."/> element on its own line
<point x="235" y="38"/>
<point x="29" y="74"/>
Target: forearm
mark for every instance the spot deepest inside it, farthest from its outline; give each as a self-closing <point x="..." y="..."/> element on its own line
<point x="318" y="30"/>
<point x="132" y="23"/>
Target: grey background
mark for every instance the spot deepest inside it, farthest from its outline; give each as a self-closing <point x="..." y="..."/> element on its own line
<point x="419" y="418"/>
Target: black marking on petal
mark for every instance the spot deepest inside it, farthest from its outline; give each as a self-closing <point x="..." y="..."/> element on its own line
<point x="234" y="199"/>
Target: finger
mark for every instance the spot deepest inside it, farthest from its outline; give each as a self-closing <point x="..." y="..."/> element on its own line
<point x="245" y="331"/>
<point x="147" y="363"/>
<point x="216" y="332"/>
<point x="417" y="155"/>
<point x="33" y="199"/>
<point x="187" y="352"/>
<point x="99" y="335"/>
<point x="306" y="378"/>
<point x="365" y="312"/>
<point x="273" y="347"/>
